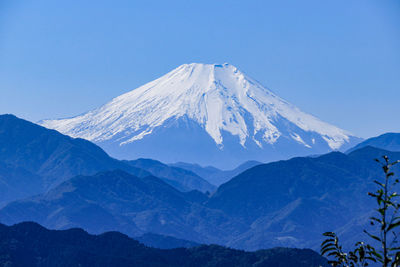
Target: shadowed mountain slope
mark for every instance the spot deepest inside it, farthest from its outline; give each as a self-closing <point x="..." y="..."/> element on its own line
<point x="51" y="155"/>
<point x="34" y="159"/>
<point x="285" y="203"/>
<point x="17" y="183"/>
<point x="164" y="242"/>
<point x="292" y="202"/>
<point x="29" y="244"/>
<point x="181" y="179"/>
<point x="116" y="200"/>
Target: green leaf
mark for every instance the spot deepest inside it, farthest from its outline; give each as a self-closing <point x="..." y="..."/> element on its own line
<point x="376" y="219"/>
<point x="334" y="251"/>
<point x="377" y="255"/>
<point x="327" y="241"/>
<point x="328" y="246"/>
<point x="373" y="236"/>
<point x="330" y="234"/>
<point x="381" y="211"/>
<point x="379" y="183"/>
<point x="393" y="225"/>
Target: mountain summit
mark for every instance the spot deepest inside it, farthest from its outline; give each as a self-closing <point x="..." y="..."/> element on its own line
<point x="204" y="113"/>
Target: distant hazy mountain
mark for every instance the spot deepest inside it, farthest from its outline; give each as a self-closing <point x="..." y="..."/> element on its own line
<point x="180" y="178"/>
<point x="116" y="200"/>
<point x="29" y="244"/>
<point x="214" y="175"/>
<point x="286" y="203"/>
<point x="206" y="114"/>
<point x="387" y="141"/>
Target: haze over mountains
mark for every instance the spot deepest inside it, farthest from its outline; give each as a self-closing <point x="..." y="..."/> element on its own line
<point x="214" y="175"/>
<point x="207" y="114"/>
<point x="285" y="203"/>
<point x="182" y="179"/>
<point x="288" y="203"/>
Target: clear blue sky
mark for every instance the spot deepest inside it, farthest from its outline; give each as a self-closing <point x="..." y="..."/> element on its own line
<point x="336" y="59"/>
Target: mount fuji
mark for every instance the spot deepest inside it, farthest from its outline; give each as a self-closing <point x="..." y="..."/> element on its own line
<point x="208" y="114"/>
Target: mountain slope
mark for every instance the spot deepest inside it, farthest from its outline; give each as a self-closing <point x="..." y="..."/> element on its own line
<point x="18" y="183"/>
<point x="269" y="187"/>
<point x="214" y="175"/>
<point x="116" y="200"/>
<point x="292" y="202"/>
<point x="287" y="203"/>
<point x="181" y="179"/>
<point x="29" y="244"/>
<point x="51" y="155"/>
<point x="51" y="158"/>
<point x="204" y="113"/>
<point x="387" y="141"/>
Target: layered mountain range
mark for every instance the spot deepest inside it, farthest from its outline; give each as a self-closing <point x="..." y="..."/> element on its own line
<point x="207" y="114"/>
<point x="71" y="182"/>
<point x="34" y="159"/>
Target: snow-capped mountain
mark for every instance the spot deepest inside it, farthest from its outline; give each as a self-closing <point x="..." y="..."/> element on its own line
<point x="205" y="113"/>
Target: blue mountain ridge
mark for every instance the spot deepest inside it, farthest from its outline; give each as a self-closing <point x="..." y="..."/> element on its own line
<point x="286" y="203"/>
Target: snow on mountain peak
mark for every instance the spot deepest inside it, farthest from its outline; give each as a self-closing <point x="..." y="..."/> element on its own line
<point x="219" y="97"/>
